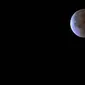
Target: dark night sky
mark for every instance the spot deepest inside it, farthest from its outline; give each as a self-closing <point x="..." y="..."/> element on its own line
<point x="48" y="27"/>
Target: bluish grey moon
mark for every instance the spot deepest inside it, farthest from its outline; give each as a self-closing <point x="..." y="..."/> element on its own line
<point x="77" y="23"/>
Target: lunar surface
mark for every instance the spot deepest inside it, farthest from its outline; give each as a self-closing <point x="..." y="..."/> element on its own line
<point x="77" y="23"/>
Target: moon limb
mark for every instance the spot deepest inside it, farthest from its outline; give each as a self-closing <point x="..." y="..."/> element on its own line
<point x="77" y="23"/>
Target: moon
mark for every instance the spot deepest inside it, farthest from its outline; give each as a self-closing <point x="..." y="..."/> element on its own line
<point x="77" y="23"/>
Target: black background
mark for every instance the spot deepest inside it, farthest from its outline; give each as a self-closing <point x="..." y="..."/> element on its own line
<point x="44" y="19"/>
